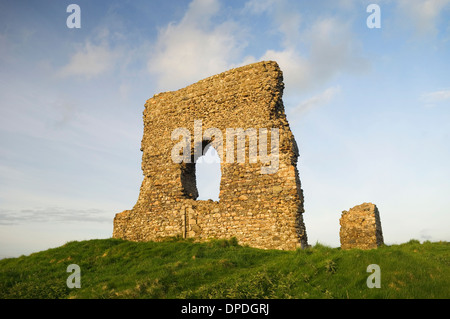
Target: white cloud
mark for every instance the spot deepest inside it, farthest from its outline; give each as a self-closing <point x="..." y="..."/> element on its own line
<point x="329" y="49"/>
<point x="317" y="100"/>
<point x="286" y="19"/>
<point x="432" y="98"/>
<point x="195" y="47"/>
<point x="309" y="55"/>
<point x="296" y="69"/>
<point x="334" y="49"/>
<point x="259" y="6"/>
<point x="90" y="61"/>
<point x="423" y="15"/>
<point x="438" y="96"/>
<point x="52" y="214"/>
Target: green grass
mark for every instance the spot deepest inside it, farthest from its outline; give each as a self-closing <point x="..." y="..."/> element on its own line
<point x="113" y="268"/>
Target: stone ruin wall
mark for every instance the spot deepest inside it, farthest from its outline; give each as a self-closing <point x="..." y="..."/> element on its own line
<point x="260" y="210"/>
<point x="361" y="227"/>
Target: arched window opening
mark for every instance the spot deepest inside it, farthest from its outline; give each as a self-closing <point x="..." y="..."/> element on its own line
<point x="208" y="174"/>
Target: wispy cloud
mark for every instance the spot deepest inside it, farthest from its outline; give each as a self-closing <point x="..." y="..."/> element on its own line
<point x="285" y="19"/>
<point x="316" y="101"/>
<point x="312" y="54"/>
<point x="52" y="214"/>
<point x="422" y="15"/>
<point x="199" y="46"/>
<point x="432" y="98"/>
<point x="90" y="61"/>
<point x="195" y="47"/>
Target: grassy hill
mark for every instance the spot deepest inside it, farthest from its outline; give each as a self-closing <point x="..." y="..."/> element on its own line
<point x="112" y="268"/>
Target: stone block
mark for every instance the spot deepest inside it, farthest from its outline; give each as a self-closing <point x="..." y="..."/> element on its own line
<point x="361" y="227"/>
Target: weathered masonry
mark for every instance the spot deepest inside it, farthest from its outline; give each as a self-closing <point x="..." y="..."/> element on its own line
<point x="262" y="210"/>
<point x="361" y="227"/>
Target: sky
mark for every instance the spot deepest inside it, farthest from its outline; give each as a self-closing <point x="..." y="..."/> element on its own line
<point x="369" y="107"/>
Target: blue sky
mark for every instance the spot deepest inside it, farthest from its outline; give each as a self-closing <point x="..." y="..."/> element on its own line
<point x="369" y="108"/>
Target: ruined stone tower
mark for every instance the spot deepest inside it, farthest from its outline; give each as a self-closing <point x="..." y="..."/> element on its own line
<point x="361" y="227"/>
<point x="260" y="201"/>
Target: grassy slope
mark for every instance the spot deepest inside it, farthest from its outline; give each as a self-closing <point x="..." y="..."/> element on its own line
<point x="113" y="268"/>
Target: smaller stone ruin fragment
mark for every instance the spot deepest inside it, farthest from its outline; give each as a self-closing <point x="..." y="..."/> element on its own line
<point x="361" y="227"/>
